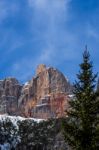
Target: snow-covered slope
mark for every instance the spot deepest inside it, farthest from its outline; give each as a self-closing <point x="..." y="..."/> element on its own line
<point x="15" y="119"/>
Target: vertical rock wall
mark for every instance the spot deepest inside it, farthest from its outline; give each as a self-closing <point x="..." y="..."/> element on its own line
<point x="10" y="91"/>
<point x="45" y="96"/>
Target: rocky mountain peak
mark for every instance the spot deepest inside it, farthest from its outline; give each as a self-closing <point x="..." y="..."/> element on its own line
<point x="44" y="96"/>
<point x="40" y="68"/>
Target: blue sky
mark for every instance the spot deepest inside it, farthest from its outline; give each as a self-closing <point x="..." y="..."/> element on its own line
<point x="53" y="32"/>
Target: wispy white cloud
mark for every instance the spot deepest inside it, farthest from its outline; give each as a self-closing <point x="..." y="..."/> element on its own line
<point x="52" y="12"/>
<point x="91" y="31"/>
<point x="49" y="15"/>
<point x="52" y="16"/>
<point x="7" y="9"/>
<point x="8" y="34"/>
<point x="3" y="11"/>
<point x="50" y="6"/>
<point x="53" y="34"/>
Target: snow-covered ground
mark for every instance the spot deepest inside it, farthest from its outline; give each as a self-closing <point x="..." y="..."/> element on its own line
<point x="15" y="119"/>
<point x="71" y="96"/>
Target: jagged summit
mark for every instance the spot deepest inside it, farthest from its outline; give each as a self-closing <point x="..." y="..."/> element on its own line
<point x="44" y="96"/>
<point x="40" y="68"/>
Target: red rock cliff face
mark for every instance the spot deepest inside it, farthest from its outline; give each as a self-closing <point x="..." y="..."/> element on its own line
<point x="46" y="95"/>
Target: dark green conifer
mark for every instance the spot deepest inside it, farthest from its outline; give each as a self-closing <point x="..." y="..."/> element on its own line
<point x="81" y="125"/>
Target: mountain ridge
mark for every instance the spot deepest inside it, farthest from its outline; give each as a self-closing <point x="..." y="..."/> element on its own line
<point x="44" y="96"/>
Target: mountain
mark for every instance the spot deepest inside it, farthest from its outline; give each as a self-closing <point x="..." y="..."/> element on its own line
<point x="45" y="96"/>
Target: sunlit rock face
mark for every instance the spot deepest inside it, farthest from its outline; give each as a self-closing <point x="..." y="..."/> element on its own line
<point x="45" y="96"/>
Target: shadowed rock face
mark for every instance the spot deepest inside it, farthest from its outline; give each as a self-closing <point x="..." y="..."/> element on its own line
<point x="45" y="96"/>
<point x="10" y="90"/>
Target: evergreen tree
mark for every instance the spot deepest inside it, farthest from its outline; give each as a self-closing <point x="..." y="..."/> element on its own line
<point x="36" y="136"/>
<point x="8" y="133"/>
<point x="97" y="90"/>
<point x="81" y="127"/>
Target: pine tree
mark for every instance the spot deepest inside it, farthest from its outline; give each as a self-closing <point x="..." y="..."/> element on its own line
<point x="81" y="127"/>
<point x="97" y="90"/>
